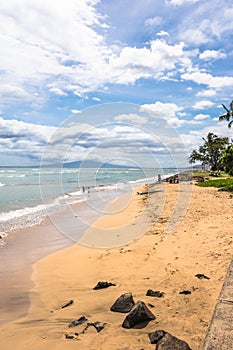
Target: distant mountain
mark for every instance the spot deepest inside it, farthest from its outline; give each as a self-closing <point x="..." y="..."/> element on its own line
<point x="77" y="164"/>
<point x="93" y="164"/>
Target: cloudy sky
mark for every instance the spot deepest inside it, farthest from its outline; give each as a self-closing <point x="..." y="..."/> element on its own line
<point x="96" y="75"/>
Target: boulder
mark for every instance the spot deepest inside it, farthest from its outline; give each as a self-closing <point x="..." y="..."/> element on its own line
<point x="70" y="302"/>
<point x="139" y="313"/>
<point x="156" y="293"/>
<point x="75" y="323"/>
<point x="185" y="292"/>
<point x="202" y="276"/>
<point x="123" y="304"/>
<point x="102" y="285"/>
<point x="166" y="341"/>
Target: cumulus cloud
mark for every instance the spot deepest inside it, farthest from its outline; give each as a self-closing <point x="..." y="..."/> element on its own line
<point x="58" y="91"/>
<point x="132" y="118"/>
<point x="75" y="111"/>
<point x="206" y="93"/>
<point x="194" y="36"/>
<point x="162" y="33"/>
<point x="161" y="109"/>
<point x="181" y="2"/>
<point x="153" y="21"/>
<point x="69" y="54"/>
<point x="207" y="79"/>
<point x="11" y="91"/>
<point x="212" y="55"/>
<point x="203" y="104"/>
<point x="201" y="116"/>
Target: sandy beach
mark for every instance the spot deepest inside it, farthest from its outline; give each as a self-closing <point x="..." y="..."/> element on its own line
<point x="136" y="253"/>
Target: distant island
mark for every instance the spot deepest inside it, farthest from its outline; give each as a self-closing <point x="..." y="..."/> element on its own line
<point x="76" y="164"/>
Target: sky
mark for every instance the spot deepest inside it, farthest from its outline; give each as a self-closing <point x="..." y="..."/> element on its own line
<point x="119" y="81"/>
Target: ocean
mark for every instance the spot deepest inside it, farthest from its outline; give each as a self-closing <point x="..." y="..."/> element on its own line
<point x="29" y="194"/>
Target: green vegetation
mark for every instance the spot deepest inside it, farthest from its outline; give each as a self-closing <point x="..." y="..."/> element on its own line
<point x="210" y="152"/>
<point x="207" y="174"/>
<point x="221" y="184"/>
<point x="229" y="114"/>
<point x="227" y="160"/>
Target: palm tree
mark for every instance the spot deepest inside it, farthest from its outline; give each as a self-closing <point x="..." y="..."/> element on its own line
<point x="228" y="115"/>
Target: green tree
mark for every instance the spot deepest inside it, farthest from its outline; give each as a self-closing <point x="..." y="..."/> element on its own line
<point x="227" y="160"/>
<point x="210" y="152"/>
<point x="229" y="114"/>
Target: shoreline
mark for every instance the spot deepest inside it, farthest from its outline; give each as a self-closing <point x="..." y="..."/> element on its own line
<point x="160" y="261"/>
<point x="24" y="248"/>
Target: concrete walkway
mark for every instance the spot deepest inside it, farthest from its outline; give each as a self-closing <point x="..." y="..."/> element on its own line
<point x="220" y="333"/>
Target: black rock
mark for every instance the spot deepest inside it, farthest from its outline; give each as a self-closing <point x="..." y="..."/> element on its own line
<point x="166" y="341"/>
<point x="202" y="276"/>
<point x="69" y="336"/>
<point x="99" y="326"/>
<point x="67" y="304"/>
<point x="156" y="336"/>
<point x="102" y="285"/>
<point x="186" y="292"/>
<point x="75" y="323"/>
<point x="151" y="305"/>
<point x="156" y="293"/>
<point x="123" y="304"/>
<point x="139" y="313"/>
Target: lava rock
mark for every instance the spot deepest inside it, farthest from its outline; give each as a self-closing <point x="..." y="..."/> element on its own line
<point x="156" y="293"/>
<point x="69" y="336"/>
<point x="75" y="323"/>
<point x="156" y="336"/>
<point x="67" y="304"/>
<point x="139" y="313"/>
<point x="202" y="276"/>
<point x="150" y="305"/>
<point x="123" y="304"/>
<point x="99" y="326"/>
<point x="166" y="341"/>
<point x="185" y="292"/>
<point x="102" y="285"/>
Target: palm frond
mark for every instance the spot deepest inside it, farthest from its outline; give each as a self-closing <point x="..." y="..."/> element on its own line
<point x="224" y="117"/>
<point x="229" y="125"/>
<point x="225" y="108"/>
<point x="231" y="106"/>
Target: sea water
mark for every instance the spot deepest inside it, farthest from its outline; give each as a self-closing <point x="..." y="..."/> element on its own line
<point x="28" y="194"/>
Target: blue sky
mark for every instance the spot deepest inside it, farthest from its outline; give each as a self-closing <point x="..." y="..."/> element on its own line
<point x="170" y="58"/>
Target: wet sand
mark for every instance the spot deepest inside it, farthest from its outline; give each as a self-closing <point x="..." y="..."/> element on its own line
<point x="200" y="243"/>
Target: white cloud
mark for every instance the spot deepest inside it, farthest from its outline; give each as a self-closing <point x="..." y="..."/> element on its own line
<point x="194" y="36"/>
<point x="201" y="116"/>
<point x="10" y="91"/>
<point x="58" y="91"/>
<point x="207" y="79"/>
<point x="134" y="63"/>
<point x="203" y="104"/>
<point x="51" y="40"/>
<point x="206" y="93"/>
<point x="96" y="99"/>
<point x="74" y="111"/>
<point x="168" y="111"/>
<point x="160" y="109"/>
<point x="212" y="55"/>
<point x="162" y="33"/>
<point x="181" y="2"/>
<point x="153" y="21"/>
<point x="132" y="118"/>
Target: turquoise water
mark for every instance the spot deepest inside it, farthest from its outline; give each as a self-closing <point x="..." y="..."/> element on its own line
<point x="28" y="193"/>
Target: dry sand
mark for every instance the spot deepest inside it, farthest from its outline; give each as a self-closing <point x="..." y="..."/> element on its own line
<point x="201" y="243"/>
